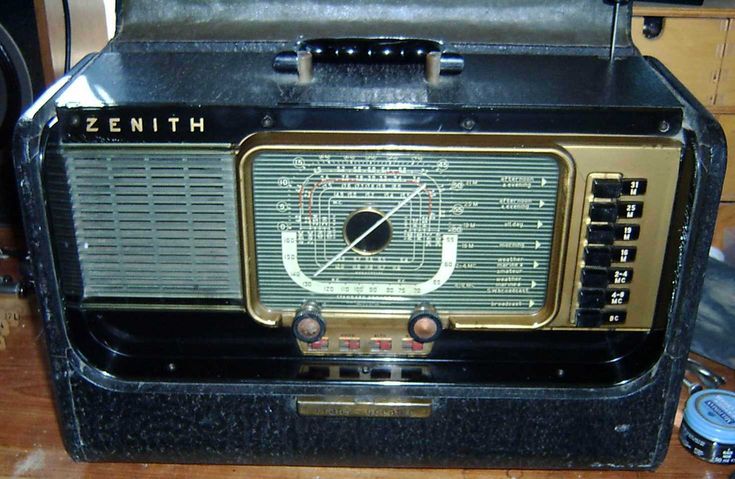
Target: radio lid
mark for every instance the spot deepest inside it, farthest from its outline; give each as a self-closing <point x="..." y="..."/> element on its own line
<point x="567" y="23"/>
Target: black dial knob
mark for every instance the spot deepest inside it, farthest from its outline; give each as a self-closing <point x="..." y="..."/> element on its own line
<point x="424" y="325"/>
<point x="308" y="325"/>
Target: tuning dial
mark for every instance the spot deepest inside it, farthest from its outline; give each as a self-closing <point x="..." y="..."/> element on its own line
<point x="308" y="324"/>
<point x="424" y="325"/>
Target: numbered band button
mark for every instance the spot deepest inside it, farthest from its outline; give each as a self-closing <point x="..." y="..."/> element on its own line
<point x="600" y="234"/>
<point x="603" y="212"/>
<point x="624" y="232"/>
<point x="634" y="187"/>
<point x="624" y="254"/>
<point x="594" y="277"/>
<point x="630" y="209"/>
<point x="606" y="188"/>
<point x="597" y="256"/>
<point x="618" y="296"/>
<point x="591" y="298"/>
<point x="620" y="275"/>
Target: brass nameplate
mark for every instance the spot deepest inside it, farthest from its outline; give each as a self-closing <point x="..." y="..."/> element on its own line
<point x="350" y="406"/>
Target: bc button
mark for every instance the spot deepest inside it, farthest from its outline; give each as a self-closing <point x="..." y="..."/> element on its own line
<point x="614" y="317"/>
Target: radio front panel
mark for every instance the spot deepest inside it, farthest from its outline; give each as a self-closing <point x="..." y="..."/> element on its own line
<point x="369" y="231"/>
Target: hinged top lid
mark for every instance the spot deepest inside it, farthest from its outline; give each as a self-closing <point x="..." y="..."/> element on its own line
<point x="574" y="23"/>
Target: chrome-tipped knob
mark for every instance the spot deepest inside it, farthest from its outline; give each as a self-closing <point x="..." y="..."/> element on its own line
<point x="308" y="325"/>
<point x="424" y="325"/>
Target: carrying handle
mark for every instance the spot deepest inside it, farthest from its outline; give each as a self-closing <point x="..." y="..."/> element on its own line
<point x="369" y="51"/>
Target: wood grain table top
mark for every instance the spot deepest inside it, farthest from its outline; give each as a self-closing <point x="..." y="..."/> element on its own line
<point x="30" y="444"/>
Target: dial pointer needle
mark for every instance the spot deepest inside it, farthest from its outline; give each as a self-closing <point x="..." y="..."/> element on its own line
<point x="371" y="229"/>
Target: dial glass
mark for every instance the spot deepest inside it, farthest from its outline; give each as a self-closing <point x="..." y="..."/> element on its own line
<point x="372" y="230"/>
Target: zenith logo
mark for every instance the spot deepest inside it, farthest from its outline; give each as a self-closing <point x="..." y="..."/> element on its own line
<point x="171" y="124"/>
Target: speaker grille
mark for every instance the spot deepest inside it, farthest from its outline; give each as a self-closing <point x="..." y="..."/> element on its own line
<point x="158" y="223"/>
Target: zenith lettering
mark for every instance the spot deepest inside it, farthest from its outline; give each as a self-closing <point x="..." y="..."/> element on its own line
<point x="171" y="124"/>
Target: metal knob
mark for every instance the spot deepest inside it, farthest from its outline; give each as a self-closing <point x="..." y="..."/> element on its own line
<point x="308" y="325"/>
<point x="424" y="325"/>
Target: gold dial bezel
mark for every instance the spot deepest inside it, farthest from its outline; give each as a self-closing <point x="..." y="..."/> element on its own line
<point x="392" y="319"/>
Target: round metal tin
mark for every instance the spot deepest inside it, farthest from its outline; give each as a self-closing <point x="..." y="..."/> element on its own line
<point x="708" y="427"/>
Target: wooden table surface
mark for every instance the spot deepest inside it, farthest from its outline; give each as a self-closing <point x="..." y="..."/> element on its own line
<point x="30" y="444"/>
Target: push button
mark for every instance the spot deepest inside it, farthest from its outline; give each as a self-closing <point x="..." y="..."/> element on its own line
<point x="634" y="187"/>
<point x="597" y="256"/>
<point x="409" y="344"/>
<point x="320" y="345"/>
<point x="614" y="317"/>
<point x="349" y="343"/>
<point x="618" y="296"/>
<point x="606" y="188"/>
<point x="591" y="298"/>
<point x="604" y="212"/>
<point x="620" y="275"/>
<point x="594" y="278"/>
<point x="588" y="318"/>
<point x="623" y="254"/>
<point x="600" y="234"/>
<point x="630" y="209"/>
<point x="381" y="344"/>
<point x="625" y="232"/>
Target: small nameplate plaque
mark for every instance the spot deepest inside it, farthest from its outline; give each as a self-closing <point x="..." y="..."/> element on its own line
<point x="350" y="406"/>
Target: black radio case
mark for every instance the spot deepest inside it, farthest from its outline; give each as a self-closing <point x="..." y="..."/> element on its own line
<point x="529" y="66"/>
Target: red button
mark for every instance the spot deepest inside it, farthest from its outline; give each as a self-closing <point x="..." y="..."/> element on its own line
<point x="353" y="344"/>
<point x="385" y="345"/>
<point x="321" y="344"/>
<point x="416" y="346"/>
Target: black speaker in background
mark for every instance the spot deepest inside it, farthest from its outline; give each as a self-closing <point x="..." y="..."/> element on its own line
<point x="21" y="80"/>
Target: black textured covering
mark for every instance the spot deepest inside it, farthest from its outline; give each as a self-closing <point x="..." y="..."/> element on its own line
<point x="475" y="427"/>
<point x="499" y="424"/>
<point x="246" y="78"/>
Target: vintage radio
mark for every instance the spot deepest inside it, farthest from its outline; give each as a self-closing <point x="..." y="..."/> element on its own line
<point x="374" y="234"/>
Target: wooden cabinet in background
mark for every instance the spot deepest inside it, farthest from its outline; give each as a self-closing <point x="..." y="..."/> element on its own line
<point x="692" y="48"/>
<point x="726" y="83"/>
<point x="724" y="237"/>
<point x="698" y="45"/>
<point x="728" y="125"/>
